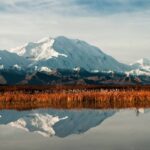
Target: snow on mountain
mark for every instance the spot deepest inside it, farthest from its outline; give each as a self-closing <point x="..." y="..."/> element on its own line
<point x="141" y="67"/>
<point x="138" y="72"/>
<point x="77" y="69"/>
<point x="143" y="63"/>
<point x="61" y="52"/>
<point x="8" y="59"/>
<point x="16" y="66"/>
<point x="50" y="122"/>
<point x="42" y="49"/>
<point x="45" y="69"/>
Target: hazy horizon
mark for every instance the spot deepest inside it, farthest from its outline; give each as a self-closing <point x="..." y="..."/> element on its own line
<point x="119" y="28"/>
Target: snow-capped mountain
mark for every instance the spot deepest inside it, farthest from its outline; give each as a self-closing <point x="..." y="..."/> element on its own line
<point x="142" y="63"/>
<point x="40" y="50"/>
<point x="50" y="122"/>
<point x="141" y="67"/>
<point x="62" y="52"/>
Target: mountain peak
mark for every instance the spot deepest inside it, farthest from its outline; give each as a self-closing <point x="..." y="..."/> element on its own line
<point x="141" y="67"/>
<point x="144" y="61"/>
<point x="40" y="50"/>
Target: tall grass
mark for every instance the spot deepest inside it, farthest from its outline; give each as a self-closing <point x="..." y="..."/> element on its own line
<point x="76" y="99"/>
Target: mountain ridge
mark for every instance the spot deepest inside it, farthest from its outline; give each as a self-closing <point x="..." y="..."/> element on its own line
<point x="50" y="54"/>
<point x="65" y="53"/>
<point x="141" y="67"/>
<point x="69" y="77"/>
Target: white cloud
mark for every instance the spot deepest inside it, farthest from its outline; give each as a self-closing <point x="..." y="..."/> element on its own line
<point x="124" y="36"/>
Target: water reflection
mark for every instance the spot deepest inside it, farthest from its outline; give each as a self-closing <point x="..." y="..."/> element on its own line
<point x="49" y="122"/>
<point x="61" y="129"/>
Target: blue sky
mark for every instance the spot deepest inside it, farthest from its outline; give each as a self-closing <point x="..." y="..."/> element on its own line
<point x="120" y="28"/>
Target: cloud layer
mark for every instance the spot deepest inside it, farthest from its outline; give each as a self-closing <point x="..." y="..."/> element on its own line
<point x="114" y="6"/>
<point x="75" y="7"/>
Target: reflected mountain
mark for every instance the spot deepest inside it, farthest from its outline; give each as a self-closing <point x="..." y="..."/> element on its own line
<point x="50" y="122"/>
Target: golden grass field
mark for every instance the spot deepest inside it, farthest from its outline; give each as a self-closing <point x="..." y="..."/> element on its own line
<point x="70" y="98"/>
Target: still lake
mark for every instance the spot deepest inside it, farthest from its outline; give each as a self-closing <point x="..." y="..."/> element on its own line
<point x="82" y="129"/>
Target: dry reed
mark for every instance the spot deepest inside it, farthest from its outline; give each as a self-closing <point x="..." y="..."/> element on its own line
<point x="80" y="99"/>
